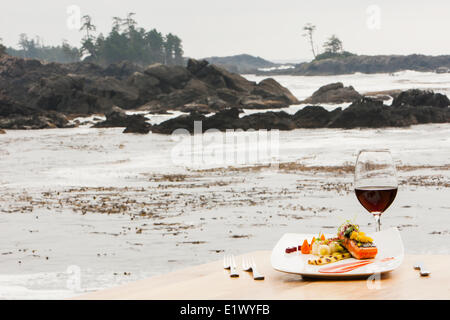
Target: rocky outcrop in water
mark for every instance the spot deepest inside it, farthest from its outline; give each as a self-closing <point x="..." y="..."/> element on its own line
<point x="138" y="125"/>
<point x="315" y="117"/>
<point x="241" y="63"/>
<point x="227" y="119"/>
<point x="118" y="118"/>
<point x="367" y="64"/>
<point x="420" y="98"/>
<point x="334" y="93"/>
<point x="362" y="113"/>
<point x="86" y="88"/>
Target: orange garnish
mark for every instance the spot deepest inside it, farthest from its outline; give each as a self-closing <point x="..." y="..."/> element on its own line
<point x="322" y="237"/>
<point x="306" y="249"/>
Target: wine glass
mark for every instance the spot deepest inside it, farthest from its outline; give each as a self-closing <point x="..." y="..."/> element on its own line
<point x="376" y="181"/>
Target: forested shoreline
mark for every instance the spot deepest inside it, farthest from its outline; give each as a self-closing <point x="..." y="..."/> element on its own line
<point x="126" y="41"/>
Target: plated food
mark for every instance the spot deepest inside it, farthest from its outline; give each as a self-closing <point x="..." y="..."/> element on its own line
<point x="351" y="259"/>
<point x="349" y="242"/>
<point x="356" y="242"/>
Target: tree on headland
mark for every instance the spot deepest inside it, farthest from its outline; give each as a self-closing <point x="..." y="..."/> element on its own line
<point x="27" y="46"/>
<point x="309" y="33"/>
<point x="332" y="48"/>
<point x="88" y="26"/>
<point x="155" y="41"/>
<point x="88" y="47"/>
<point x="333" y="45"/>
<point x="87" y="43"/>
<point x="129" y="22"/>
<point x="173" y="50"/>
<point x="177" y="50"/>
<point x="117" y="23"/>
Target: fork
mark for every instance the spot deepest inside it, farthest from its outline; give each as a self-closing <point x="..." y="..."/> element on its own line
<point x="229" y="262"/>
<point x="226" y="262"/>
<point x="421" y="267"/>
<point x="249" y="265"/>
<point x="246" y="265"/>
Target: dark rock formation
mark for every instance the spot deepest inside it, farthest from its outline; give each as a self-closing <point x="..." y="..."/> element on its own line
<point x="147" y="87"/>
<point x="371" y="113"/>
<point x="121" y="70"/>
<point x="272" y="95"/>
<point x="417" y="97"/>
<point x="242" y="63"/>
<point x="170" y="77"/>
<point x="118" y="118"/>
<point x="315" y="117"/>
<point x="65" y="94"/>
<point x="267" y="120"/>
<point x="367" y="64"/>
<point x="363" y="113"/>
<point x="185" y="122"/>
<point x="228" y="119"/>
<point x="35" y="95"/>
<point x="9" y="107"/>
<point x="86" y="88"/>
<point x="35" y="121"/>
<point x="138" y="125"/>
<point x="13" y="115"/>
<point x="211" y="88"/>
<point x="334" y="93"/>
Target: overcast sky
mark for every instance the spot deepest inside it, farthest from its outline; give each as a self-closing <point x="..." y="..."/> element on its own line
<point x="267" y="28"/>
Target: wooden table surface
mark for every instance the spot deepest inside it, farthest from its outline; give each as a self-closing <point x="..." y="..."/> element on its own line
<point x="211" y="281"/>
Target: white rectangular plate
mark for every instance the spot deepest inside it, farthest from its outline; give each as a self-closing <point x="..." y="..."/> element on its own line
<point x="388" y="242"/>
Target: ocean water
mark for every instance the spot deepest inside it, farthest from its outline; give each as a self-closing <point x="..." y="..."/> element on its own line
<point x="302" y="86"/>
<point x="84" y="209"/>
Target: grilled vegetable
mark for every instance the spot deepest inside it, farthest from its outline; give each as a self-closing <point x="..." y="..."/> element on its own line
<point x="329" y="258"/>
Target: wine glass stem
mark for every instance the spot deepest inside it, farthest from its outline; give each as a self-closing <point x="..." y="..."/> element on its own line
<point x="377" y="217"/>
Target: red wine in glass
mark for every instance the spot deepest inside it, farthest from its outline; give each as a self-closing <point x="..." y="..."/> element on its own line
<point x="376" y="199"/>
<point x="375" y="181"/>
